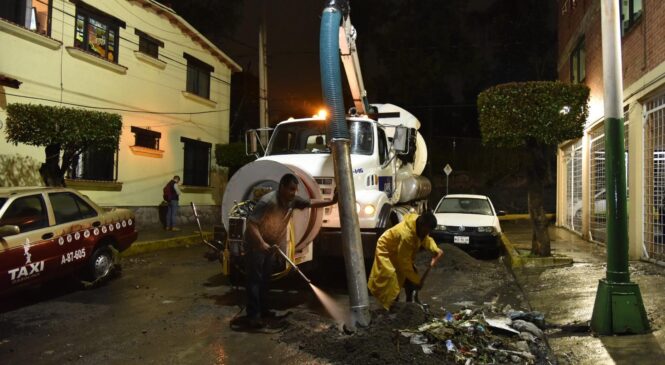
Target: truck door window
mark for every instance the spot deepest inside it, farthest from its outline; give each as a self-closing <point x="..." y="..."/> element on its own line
<point x="28" y="213"/>
<point x="68" y="207"/>
<point x="383" y="146"/>
<point x="362" y="138"/>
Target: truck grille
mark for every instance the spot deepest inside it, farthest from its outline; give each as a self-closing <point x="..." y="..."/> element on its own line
<point x="327" y="187"/>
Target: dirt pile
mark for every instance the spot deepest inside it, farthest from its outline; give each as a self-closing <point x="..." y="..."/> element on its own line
<point x="459" y="281"/>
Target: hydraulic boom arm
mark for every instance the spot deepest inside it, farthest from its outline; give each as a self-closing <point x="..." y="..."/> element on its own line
<point x="349" y="56"/>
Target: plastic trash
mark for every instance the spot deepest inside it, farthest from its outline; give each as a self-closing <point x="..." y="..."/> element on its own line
<point x="450" y="346"/>
<point x="448" y="317"/>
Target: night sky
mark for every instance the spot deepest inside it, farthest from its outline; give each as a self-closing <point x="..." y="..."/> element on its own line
<point x="431" y="57"/>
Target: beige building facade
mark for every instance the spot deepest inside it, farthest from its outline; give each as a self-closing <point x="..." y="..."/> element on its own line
<point x="136" y="58"/>
<point x="581" y="199"/>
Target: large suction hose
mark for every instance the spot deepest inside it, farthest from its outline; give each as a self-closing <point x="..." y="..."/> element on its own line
<point x="331" y="82"/>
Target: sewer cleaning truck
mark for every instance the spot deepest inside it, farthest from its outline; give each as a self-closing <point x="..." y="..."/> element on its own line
<point x="387" y="156"/>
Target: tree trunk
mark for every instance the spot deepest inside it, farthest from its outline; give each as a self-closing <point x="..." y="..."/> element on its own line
<point x="536" y="174"/>
<point x="50" y="170"/>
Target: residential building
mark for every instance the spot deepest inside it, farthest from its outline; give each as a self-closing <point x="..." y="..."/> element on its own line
<point x="136" y="58"/>
<point x="581" y="200"/>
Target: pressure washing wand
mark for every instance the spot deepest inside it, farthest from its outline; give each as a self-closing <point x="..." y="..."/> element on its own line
<point x="293" y="264"/>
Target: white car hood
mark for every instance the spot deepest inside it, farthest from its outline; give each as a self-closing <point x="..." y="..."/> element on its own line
<point x="467" y="220"/>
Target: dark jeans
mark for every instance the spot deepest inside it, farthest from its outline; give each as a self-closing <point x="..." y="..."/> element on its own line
<point x="259" y="270"/>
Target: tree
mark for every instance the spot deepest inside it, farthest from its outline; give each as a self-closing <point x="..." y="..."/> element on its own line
<point x="64" y="132"/>
<point x="535" y="116"/>
<point x="232" y="155"/>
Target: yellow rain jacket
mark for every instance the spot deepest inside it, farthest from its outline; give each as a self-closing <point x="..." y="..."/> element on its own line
<point x="393" y="260"/>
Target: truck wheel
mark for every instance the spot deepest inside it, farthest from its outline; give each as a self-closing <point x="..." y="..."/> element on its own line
<point x="100" y="265"/>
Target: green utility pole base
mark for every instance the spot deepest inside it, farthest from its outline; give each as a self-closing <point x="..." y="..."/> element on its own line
<point x="618" y="309"/>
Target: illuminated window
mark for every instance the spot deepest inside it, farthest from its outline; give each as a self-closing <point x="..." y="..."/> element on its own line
<point x="578" y="63"/>
<point x="631" y="11"/>
<point x="32" y="14"/>
<point x="97" y="33"/>
<point x="198" y="76"/>
<point x="149" y="45"/>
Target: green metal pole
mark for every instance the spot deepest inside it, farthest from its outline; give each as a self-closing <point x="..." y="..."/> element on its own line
<point x="618" y="307"/>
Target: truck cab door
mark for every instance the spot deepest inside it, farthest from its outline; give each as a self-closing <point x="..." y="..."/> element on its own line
<point x="386" y="171"/>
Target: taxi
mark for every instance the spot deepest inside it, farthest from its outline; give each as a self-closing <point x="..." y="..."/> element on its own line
<point x="50" y="232"/>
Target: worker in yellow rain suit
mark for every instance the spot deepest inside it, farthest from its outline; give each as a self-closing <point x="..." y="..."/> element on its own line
<point x="395" y="251"/>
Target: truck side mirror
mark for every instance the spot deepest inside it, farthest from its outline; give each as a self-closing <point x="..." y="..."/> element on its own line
<point x="251" y="147"/>
<point x="401" y="140"/>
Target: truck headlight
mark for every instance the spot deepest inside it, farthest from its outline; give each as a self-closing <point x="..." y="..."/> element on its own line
<point x="486" y="229"/>
<point x="441" y="227"/>
<point x="369" y="210"/>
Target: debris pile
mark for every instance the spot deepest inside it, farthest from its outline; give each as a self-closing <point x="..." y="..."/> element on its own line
<point x="481" y="336"/>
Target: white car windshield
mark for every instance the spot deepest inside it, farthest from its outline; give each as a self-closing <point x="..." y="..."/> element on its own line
<point x="310" y="137"/>
<point x="465" y="206"/>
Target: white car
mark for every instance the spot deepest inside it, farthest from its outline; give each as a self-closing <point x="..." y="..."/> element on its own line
<point x="469" y="222"/>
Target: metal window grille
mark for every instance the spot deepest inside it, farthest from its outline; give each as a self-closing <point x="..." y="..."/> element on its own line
<point x="654" y="178"/>
<point x="568" y="158"/>
<point x="574" y="187"/>
<point x="597" y="202"/>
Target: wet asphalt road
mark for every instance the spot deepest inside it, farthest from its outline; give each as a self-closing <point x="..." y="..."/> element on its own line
<point x="167" y="307"/>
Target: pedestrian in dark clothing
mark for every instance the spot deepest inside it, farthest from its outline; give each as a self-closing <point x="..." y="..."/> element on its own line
<point x="172" y="197"/>
<point x="265" y="231"/>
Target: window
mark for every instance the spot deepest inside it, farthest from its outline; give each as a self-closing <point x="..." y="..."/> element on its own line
<point x="197" y="162"/>
<point x="32" y="14"/>
<point x="28" y="213"/>
<point x="68" y="207"/>
<point x="631" y="11"/>
<point x="198" y="76"/>
<point x="97" y="32"/>
<point x="95" y="164"/>
<point x="578" y="63"/>
<point x="149" y="45"/>
<point x="146" y="138"/>
<point x="383" y="147"/>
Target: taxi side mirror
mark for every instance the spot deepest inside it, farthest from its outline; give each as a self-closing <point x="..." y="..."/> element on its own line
<point x="9" y="230"/>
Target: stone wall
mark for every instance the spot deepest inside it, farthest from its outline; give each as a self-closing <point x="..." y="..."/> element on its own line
<point x="154" y="217"/>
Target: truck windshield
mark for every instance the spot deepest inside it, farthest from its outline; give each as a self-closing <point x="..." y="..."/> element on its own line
<point x="310" y="137"/>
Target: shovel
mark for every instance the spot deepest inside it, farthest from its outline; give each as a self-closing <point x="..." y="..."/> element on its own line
<point x="424" y="306"/>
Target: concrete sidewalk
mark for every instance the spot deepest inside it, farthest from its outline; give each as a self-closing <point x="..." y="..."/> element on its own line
<point x="566" y="296"/>
<point x="156" y="238"/>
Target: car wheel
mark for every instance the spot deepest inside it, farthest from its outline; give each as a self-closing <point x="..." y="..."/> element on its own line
<point x="100" y="264"/>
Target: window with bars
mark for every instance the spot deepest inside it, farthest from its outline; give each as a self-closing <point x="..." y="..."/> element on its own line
<point x="148" y="45"/>
<point x="146" y="138"/>
<point x="95" y="164"/>
<point x="198" y="76"/>
<point x="654" y="178"/>
<point x="597" y="193"/>
<point x="197" y="162"/>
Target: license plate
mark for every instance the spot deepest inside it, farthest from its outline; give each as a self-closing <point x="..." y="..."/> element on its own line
<point x="461" y="239"/>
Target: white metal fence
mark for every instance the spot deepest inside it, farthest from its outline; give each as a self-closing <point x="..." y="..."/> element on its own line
<point x="654" y="178"/>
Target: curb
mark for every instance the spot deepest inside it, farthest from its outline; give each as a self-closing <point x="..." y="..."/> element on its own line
<point x="141" y="247"/>
<point x="516" y="260"/>
<point x="525" y="216"/>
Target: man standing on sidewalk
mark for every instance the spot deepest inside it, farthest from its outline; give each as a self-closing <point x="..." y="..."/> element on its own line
<point x="172" y="197"/>
<point x="266" y="229"/>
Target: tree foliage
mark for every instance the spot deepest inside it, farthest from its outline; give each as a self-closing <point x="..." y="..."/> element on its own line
<point x="64" y="132"/>
<point x="232" y="155"/>
<point x="42" y="125"/>
<point x="542" y="112"/>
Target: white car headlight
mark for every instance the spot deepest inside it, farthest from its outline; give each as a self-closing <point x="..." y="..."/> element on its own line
<point x="441" y="227"/>
<point x="486" y="229"/>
